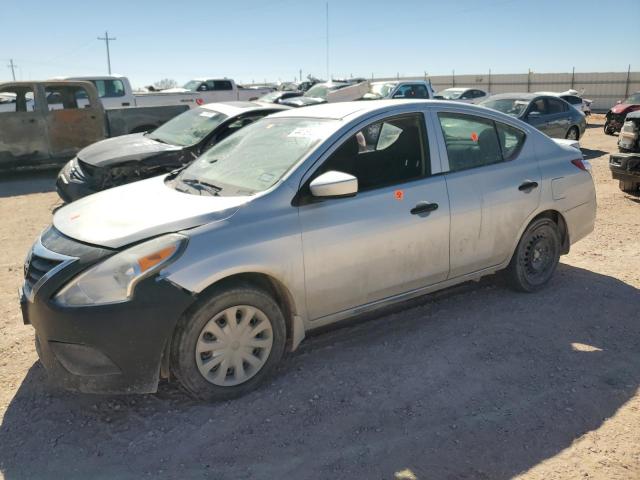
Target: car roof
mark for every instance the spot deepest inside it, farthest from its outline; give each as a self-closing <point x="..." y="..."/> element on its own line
<point x="519" y="96"/>
<point x="231" y="109"/>
<point x="455" y="89"/>
<point x="342" y="110"/>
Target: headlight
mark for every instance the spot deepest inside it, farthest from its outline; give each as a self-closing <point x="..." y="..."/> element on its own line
<point x="114" y="280"/>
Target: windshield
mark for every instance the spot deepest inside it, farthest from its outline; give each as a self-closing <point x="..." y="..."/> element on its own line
<point x="255" y="158"/>
<point x="189" y="127"/>
<point x="633" y="99"/>
<point x="511" y="106"/>
<point x="192" y="85"/>
<point x="381" y="89"/>
<point x="270" y="97"/>
<point x="450" y="94"/>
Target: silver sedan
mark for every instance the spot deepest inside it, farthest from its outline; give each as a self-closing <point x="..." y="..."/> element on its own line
<point x="302" y="219"/>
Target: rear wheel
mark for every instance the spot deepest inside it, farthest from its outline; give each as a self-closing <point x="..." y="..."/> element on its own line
<point x="536" y="256"/>
<point x="573" y="134"/>
<point x="229" y="344"/>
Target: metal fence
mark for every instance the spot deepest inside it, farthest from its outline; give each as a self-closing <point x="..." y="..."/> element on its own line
<point x="604" y="88"/>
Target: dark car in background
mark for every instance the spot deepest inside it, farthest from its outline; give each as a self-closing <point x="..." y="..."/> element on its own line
<point x="625" y="166"/>
<point x="617" y="114"/>
<point x="125" y="159"/>
<point x="547" y="113"/>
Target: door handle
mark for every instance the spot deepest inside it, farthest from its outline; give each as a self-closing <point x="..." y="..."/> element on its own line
<point x="424" y="207"/>
<point x="528" y="186"/>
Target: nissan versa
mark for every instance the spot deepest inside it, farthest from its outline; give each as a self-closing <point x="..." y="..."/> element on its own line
<point x="299" y="220"/>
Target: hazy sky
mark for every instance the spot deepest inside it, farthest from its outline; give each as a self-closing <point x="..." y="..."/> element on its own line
<point x="258" y="40"/>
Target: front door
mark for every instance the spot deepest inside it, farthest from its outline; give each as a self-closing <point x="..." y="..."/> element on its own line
<point x="493" y="185"/>
<point x="75" y="119"/>
<point x="390" y="238"/>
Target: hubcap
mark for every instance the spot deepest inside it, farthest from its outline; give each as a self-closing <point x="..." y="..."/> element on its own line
<point x="234" y="345"/>
<point x="538" y="258"/>
<point x="572" y="135"/>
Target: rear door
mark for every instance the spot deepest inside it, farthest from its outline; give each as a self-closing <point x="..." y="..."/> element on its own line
<point x="559" y="117"/>
<point x="75" y="117"/>
<point x="23" y="134"/>
<point x="493" y="182"/>
<point x="376" y="245"/>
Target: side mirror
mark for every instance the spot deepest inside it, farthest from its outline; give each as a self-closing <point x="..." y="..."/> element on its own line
<point x="334" y="184"/>
<point x="398" y="95"/>
<point x="533" y="115"/>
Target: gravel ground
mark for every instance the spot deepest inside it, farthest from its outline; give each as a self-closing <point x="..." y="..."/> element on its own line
<point x="476" y="382"/>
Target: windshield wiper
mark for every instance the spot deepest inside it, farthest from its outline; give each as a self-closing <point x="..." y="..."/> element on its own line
<point x="202" y="186"/>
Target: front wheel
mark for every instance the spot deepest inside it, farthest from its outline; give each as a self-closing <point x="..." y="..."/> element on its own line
<point x="608" y="128"/>
<point x="229" y="344"/>
<point x="536" y="257"/>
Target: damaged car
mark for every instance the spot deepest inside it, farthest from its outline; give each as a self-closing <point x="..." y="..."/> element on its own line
<point x="616" y="115"/>
<point x="625" y="166"/>
<point x="125" y="159"/>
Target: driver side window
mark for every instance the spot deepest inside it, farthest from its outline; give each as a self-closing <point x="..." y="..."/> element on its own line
<point x="384" y="153"/>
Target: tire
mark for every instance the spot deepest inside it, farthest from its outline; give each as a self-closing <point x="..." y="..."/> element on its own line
<point x="253" y="346"/>
<point x="573" y="134"/>
<point x="536" y="257"/>
<point x="608" y="129"/>
<point x="628" y="187"/>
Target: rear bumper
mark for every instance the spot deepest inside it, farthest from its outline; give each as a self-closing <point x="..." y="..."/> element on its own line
<point x="114" y="348"/>
<point x="580" y="220"/>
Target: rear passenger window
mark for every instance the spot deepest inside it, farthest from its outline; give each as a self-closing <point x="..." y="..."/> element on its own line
<point x="474" y="142"/>
<point x="383" y="153"/>
<point x="471" y="141"/>
<point x="555" y="106"/>
<point x="66" y="97"/>
<point x="511" y="140"/>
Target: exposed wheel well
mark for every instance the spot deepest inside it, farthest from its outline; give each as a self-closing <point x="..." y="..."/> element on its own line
<point x="559" y="220"/>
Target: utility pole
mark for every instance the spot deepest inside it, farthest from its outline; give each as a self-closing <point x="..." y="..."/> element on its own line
<point x="328" y="79"/>
<point x="12" y="66"/>
<point x="107" y="39"/>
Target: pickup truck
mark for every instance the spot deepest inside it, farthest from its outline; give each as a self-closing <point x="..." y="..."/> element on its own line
<point x="115" y="92"/>
<point x="45" y="123"/>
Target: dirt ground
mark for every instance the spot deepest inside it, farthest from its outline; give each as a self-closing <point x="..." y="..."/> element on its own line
<point x="477" y="382"/>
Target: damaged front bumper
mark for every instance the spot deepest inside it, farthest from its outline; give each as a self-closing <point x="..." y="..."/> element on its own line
<point x="625" y="166"/>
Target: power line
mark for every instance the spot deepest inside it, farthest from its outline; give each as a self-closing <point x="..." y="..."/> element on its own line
<point x="12" y="66"/>
<point x="107" y="39"/>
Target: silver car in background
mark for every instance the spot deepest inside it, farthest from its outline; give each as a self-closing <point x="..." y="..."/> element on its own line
<point x="297" y="221"/>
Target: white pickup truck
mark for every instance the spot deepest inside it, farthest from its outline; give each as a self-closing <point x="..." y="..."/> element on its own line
<point x="116" y="92"/>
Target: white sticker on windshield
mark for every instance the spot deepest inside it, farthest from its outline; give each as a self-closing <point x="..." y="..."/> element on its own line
<point x="208" y="114"/>
<point x="318" y="131"/>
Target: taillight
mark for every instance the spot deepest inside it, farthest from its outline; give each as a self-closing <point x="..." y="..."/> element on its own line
<point x="580" y="164"/>
<point x="199" y="101"/>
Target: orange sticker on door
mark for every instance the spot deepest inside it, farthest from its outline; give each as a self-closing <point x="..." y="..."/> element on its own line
<point x="398" y="194"/>
<point x="474" y="136"/>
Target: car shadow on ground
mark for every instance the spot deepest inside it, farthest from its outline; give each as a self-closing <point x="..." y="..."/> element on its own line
<point x="591" y="154"/>
<point x="25" y="183"/>
<point x="476" y="382"/>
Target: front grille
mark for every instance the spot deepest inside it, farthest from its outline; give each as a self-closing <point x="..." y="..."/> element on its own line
<point x="42" y="263"/>
<point x="37" y="268"/>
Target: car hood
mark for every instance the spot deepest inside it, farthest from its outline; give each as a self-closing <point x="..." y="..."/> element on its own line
<point x="624" y="107"/>
<point x="112" y="151"/>
<point x="302" y="101"/>
<point x="124" y="215"/>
